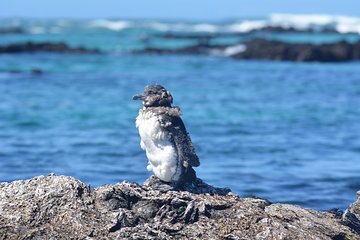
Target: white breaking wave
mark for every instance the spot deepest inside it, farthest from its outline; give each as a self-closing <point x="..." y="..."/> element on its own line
<point x="111" y="25"/>
<point x="247" y="26"/>
<point x="317" y="22"/>
<point x="300" y="21"/>
<point x="348" y="24"/>
<point x="203" y="27"/>
<point x="158" y="26"/>
<point x="228" y="51"/>
<point x="341" y="24"/>
<point x="232" y="50"/>
<point x="37" y="30"/>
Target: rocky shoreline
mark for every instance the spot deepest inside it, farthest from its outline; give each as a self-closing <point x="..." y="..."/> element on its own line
<point x="257" y="49"/>
<point x="266" y="29"/>
<point x="260" y="49"/>
<point x="61" y="207"/>
<point x="31" y="47"/>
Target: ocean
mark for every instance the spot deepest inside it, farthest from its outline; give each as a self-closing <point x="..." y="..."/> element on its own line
<point x="285" y="131"/>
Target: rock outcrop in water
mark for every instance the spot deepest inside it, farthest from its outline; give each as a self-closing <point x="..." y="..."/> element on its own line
<point x="11" y="30"/>
<point x="30" y="47"/>
<point x="60" y="207"/>
<point x="274" y="50"/>
<point x="271" y="50"/>
<point x="253" y="49"/>
<point x="265" y="29"/>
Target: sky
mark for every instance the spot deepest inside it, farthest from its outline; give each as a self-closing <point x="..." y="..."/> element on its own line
<point x="173" y="9"/>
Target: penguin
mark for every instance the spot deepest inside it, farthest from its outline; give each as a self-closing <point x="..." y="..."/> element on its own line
<point x="169" y="149"/>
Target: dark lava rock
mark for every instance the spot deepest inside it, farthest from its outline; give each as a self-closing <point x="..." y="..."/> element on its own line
<point x="280" y="29"/>
<point x="171" y="35"/>
<point x="198" y="186"/>
<point x="33" y="71"/>
<point x="266" y="29"/>
<point x="30" y="47"/>
<point x="199" y="49"/>
<point x="60" y="207"/>
<point x="272" y="50"/>
<point x="275" y="50"/>
<point x="36" y="71"/>
<point x="13" y="30"/>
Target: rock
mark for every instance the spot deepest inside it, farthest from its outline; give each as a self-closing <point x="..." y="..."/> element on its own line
<point x="198" y="49"/>
<point x="36" y="71"/>
<point x="201" y="36"/>
<point x="61" y="207"/>
<point x="275" y="50"/>
<point x="195" y="36"/>
<point x="33" y="71"/>
<point x="198" y="186"/>
<point x="16" y="30"/>
<point x="30" y="47"/>
<point x="280" y="29"/>
<point x="272" y="50"/>
<point x="351" y="216"/>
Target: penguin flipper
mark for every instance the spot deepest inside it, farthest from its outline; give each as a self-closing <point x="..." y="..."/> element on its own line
<point x="181" y="139"/>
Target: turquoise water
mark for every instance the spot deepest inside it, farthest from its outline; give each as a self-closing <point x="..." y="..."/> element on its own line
<point x="285" y="131"/>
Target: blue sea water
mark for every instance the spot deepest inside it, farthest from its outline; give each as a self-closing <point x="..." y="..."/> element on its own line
<point x="288" y="132"/>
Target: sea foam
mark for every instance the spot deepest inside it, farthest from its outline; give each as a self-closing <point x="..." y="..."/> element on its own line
<point x="316" y="22"/>
<point x="246" y="26"/>
<point x="111" y="25"/>
<point x="233" y="50"/>
<point x="181" y="27"/>
<point x="341" y="24"/>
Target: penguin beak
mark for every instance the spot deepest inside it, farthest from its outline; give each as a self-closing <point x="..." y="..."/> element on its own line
<point x="139" y="97"/>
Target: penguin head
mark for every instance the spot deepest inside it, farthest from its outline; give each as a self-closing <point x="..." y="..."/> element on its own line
<point x="155" y="96"/>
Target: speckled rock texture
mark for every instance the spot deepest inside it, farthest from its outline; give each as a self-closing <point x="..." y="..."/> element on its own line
<point x="61" y="207"/>
<point x="351" y="217"/>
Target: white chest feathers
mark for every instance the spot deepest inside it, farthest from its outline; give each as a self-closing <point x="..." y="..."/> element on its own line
<point x="161" y="154"/>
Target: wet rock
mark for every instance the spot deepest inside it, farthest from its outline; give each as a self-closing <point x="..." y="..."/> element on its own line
<point x="268" y="29"/>
<point x="198" y="49"/>
<point x="275" y="50"/>
<point x="30" y="47"/>
<point x="171" y="35"/>
<point x="33" y="71"/>
<point x="271" y="50"/>
<point x="280" y="29"/>
<point x="13" y="30"/>
<point x="36" y="71"/>
<point x="60" y="207"/>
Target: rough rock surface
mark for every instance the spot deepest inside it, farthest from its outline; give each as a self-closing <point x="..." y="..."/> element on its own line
<point x="198" y="186"/>
<point x="61" y="207"/>
<point x="351" y="216"/>
<point x="30" y="47"/>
